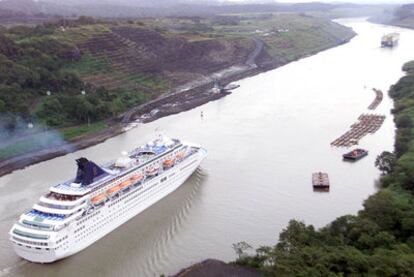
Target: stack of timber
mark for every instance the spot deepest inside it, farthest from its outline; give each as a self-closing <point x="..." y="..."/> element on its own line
<point x="368" y="124"/>
<point x="378" y="98"/>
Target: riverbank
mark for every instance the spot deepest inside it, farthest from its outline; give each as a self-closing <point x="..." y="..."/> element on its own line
<point x="217" y="269"/>
<point x="180" y="100"/>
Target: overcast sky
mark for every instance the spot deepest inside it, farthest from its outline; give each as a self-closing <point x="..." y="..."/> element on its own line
<point x="330" y="1"/>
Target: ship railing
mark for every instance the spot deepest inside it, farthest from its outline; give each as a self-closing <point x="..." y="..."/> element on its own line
<point x="145" y="179"/>
<point x="30" y="235"/>
<point x="62" y="197"/>
<point x="37" y="226"/>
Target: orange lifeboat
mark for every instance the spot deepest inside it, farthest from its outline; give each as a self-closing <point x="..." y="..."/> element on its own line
<point x="113" y="190"/>
<point x="136" y="177"/>
<point x="168" y="163"/>
<point x="124" y="184"/>
<point x="98" y="199"/>
<point x="179" y="155"/>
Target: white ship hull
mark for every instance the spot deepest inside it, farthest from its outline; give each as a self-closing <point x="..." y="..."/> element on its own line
<point x="88" y="229"/>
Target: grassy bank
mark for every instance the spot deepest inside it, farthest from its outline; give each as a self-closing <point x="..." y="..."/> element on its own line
<point x="379" y="241"/>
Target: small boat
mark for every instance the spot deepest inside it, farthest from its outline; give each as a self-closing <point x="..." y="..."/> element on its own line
<point x="125" y="185"/>
<point x="179" y="155"/>
<point x="136" y="178"/>
<point x="99" y="199"/>
<point x="168" y="163"/>
<point x="152" y="171"/>
<point x="355" y="154"/>
<point x="320" y="180"/>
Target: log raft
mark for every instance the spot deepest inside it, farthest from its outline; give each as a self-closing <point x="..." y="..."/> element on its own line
<point x="367" y="124"/>
<point x="378" y="98"/>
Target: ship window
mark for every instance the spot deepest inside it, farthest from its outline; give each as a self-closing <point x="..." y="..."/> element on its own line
<point x="30" y="242"/>
<point x="54" y="206"/>
<point x="62" y="197"/>
<point x="37" y="224"/>
<point x="29" y="235"/>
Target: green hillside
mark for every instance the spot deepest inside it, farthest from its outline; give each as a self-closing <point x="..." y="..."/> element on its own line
<point x="70" y="73"/>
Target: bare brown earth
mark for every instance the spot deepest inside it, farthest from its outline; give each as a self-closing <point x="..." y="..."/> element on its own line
<point x="210" y="268"/>
<point x="132" y="52"/>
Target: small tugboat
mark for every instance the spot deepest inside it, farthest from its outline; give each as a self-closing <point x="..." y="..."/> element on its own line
<point x="320" y="181"/>
<point x="355" y="154"/>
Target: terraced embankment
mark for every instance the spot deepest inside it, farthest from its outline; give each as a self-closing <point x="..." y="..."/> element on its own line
<point x="138" y="59"/>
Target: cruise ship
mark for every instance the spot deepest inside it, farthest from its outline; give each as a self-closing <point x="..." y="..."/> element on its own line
<point x="74" y="214"/>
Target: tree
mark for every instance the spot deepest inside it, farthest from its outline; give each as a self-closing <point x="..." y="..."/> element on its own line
<point x="240" y="248"/>
<point x="385" y="162"/>
<point x="296" y="235"/>
<point x="2" y="106"/>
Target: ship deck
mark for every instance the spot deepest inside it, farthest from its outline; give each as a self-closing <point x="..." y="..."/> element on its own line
<point x="112" y="171"/>
<point x="39" y="216"/>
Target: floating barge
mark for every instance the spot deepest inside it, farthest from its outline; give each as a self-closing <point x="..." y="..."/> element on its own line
<point x="368" y="124"/>
<point x="378" y="99"/>
<point x="320" y="181"/>
<point x="355" y="154"/>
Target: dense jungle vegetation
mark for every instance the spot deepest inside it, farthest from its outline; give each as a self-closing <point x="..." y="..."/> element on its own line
<point x="36" y="83"/>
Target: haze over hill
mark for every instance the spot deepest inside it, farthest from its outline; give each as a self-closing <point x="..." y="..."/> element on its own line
<point x="130" y="8"/>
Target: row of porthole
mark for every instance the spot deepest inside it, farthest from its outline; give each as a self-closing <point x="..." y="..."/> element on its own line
<point x="120" y="213"/>
<point x="117" y="201"/>
<point x="79" y="229"/>
<point x="96" y="228"/>
<point x="88" y="217"/>
<point x="122" y="198"/>
<point x="31" y="242"/>
<point x="27" y="246"/>
<point x="62" y="245"/>
<point x="151" y="192"/>
<point x="62" y="239"/>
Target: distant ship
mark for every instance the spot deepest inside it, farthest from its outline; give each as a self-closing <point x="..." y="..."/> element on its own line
<point x="390" y="40"/>
<point x="76" y="213"/>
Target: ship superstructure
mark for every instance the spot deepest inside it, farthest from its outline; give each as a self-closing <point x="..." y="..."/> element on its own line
<point x="390" y="40"/>
<point x="76" y="213"/>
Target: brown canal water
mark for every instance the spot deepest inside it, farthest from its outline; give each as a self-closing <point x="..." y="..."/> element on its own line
<point x="264" y="142"/>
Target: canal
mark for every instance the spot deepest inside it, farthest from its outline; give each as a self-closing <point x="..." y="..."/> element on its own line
<point x="264" y="142"/>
